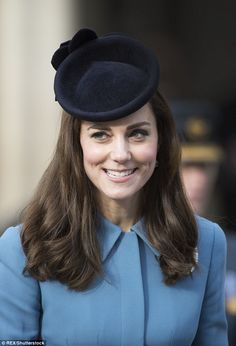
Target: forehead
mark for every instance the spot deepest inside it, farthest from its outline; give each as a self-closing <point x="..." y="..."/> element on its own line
<point x="144" y="114"/>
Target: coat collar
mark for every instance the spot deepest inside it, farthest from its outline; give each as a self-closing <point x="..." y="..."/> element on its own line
<point x="109" y="233"/>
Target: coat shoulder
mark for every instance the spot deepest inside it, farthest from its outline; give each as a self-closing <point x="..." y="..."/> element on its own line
<point x="207" y="228"/>
<point x="211" y="237"/>
<point x="11" y="251"/>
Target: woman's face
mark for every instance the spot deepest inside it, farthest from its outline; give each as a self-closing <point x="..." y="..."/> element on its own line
<point x="120" y="156"/>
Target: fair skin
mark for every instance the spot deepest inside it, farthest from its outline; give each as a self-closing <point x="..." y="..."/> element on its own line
<point x="119" y="158"/>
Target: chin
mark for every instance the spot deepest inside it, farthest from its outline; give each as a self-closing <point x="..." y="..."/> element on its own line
<point x="119" y="196"/>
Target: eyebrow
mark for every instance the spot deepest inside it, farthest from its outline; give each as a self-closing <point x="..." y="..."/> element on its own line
<point x="142" y="123"/>
<point x="130" y="127"/>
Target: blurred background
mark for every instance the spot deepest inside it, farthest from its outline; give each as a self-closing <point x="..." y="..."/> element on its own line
<point x="196" y="46"/>
<point x="195" y="43"/>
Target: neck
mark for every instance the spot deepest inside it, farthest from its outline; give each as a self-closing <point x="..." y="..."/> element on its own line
<point x="120" y="212"/>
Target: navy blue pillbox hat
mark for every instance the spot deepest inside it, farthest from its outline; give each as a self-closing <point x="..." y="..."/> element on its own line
<point x="104" y="78"/>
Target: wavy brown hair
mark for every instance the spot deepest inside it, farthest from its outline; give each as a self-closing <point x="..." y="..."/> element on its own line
<point x="59" y="224"/>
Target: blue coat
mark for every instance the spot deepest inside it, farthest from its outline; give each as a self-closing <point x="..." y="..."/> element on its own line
<point x="131" y="306"/>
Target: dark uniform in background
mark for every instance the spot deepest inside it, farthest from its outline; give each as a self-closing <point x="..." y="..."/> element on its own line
<point x="198" y="124"/>
<point x="227" y="176"/>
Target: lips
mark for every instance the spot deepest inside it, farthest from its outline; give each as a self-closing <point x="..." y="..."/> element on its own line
<point x="119" y="174"/>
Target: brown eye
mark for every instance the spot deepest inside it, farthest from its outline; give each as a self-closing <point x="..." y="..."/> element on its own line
<point x="100" y="135"/>
<point x="138" y="133"/>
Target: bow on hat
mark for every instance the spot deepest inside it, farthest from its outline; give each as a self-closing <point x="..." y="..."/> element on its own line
<point x="82" y="36"/>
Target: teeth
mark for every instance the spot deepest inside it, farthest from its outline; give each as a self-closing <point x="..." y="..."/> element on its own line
<point x="116" y="174"/>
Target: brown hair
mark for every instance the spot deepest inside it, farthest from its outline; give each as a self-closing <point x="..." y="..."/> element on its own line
<point x="59" y="224"/>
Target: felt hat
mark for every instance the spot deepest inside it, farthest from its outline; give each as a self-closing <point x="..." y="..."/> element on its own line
<point x="104" y="78"/>
<point x="197" y="123"/>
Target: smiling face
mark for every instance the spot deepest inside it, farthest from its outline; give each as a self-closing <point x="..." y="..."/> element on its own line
<point x="120" y="156"/>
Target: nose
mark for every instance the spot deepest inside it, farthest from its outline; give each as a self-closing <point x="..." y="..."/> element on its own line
<point x="120" y="151"/>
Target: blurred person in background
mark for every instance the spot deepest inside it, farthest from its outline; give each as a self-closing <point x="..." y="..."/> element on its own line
<point x="199" y="127"/>
<point x="227" y="175"/>
<point x="109" y="251"/>
<point x="197" y="124"/>
<point x="227" y="182"/>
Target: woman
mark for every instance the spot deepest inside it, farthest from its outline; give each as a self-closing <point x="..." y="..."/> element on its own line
<point x="109" y="251"/>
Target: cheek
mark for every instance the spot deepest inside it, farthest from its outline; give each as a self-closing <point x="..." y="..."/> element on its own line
<point x="147" y="154"/>
<point x="92" y="154"/>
